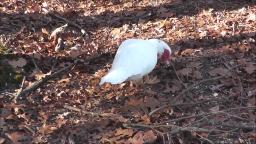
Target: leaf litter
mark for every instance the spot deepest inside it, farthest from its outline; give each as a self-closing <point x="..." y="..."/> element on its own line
<point x="214" y="57"/>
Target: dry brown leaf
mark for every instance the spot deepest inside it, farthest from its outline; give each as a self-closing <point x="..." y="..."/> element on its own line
<point x="38" y="74"/>
<point x="174" y="87"/>
<point x="149" y="137"/>
<point x="44" y="31"/>
<point x="58" y="31"/>
<point x="65" y="80"/>
<point x="251" y="17"/>
<point x="47" y="129"/>
<point x="134" y="102"/>
<point x="116" y="33"/>
<point x="146" y="119"/>
<point x="219" y="71"/>
<point x="252" y="100"/>
<point x="123" y="132"/>
<point x="203" y="34"/>
<point x="153" y="80"/>
<point x="250" y="67"/>
<point x="137" y="138"/>
<point x="187" y="52"/>
<point x="197" y="74"/>
<point x="185" y="71"/>
<point x="143" y="137"/>
<point x="60" y="45"/>
<point x="194" y="64"/>
<point x="2" y="140"/>
<point x="18" y="137"/>
<point x="18" y="63"/>
<point x="223" y="33"/>
<point x="75" y="51"/>
<point x="215" y="109"/>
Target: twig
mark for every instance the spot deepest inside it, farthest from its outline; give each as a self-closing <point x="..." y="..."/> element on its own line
<point x="182" y="93"/>
<point x="210" y="114"/>
<point x="37" y="84"/>
<point x="175" y="71"/>
<point x="84" y="33"/>
<point x="20" y="90"/>
<point x="114" y="116"/>
<point x="177" y="129"/>
<point x="34" y="62"/>
<point x="190" y="104"/>
<point x="241" y="88"/>
<point x="81" y="111"/>
<point x="247" y="127"/>
<point x="205" y="139"/>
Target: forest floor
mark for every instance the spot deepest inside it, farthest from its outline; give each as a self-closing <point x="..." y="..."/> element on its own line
<point x="49" y="95"/>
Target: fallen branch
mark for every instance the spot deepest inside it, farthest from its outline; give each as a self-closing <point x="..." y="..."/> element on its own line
<point x="20" y="90"/>
<point x="182" y="93"/>
<point x="247" y="127"/>
<point x="37" y="84"/>
<point x="210" y="114"/>
<point x="95" y="114"/>
<point x="81" y="111"/>
<point x="84" y="33"/>
<point x="176" y="129"/>
<point x="186" y="104"/>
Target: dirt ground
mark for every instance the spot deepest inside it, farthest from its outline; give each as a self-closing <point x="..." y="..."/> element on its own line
<point x="49" y="72"/>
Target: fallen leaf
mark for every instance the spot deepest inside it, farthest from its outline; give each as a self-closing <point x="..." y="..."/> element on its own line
<point x="223" y="33"/>
<point x="74" y="52"/>
<point x="47" y="129"/>
<point x="38" y="74"/>
<point x="134" y="102"/>
<point x="185" y="71"/>
<point x="173" y="87"/>
<point x="60" y="45"/>
<point x="149" y="137"/>
<point x="203" y="34"/>
<point x="194" y="64"/>
<point x="153" y="80"/>
<point x="219" y="71"/>
<point x="20" y="62"/>
<point x="143" y="137"/>
<point x="251" y="17"/>
<point x="2" y="140"/>
<point x="137" y="138"/>
<point x="146" y="119"/>
<point x="123" y="132"/>
<point x="197" y="75"/>
<point x="116" y="33"/>
<point x="215" y="109"/>
<point x="65" y="80"/>
<point x="44" y="31"/>
<point x="19" y="137"/>
<point x="187" y="52"/>
<point x="58" y="31"/>
<point x="250" y="67"/>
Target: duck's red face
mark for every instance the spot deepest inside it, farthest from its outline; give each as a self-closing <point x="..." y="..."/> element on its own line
<point x="165" y="57"/>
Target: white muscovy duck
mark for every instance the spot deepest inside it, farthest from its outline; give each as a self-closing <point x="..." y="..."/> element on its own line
<point x="136" y="58"/>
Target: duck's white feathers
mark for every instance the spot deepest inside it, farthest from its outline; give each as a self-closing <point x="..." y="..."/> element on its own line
<point x="134" y="59"/>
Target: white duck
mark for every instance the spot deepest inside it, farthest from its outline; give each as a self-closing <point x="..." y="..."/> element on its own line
<point x="136" y="58"/>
